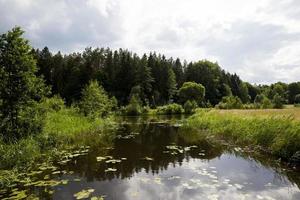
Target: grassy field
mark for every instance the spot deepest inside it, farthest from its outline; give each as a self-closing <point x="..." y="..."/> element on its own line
<point x="288" y="112"/>
<point x="275" y="131"/>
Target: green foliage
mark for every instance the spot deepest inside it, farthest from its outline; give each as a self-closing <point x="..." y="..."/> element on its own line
<point x="94" y="101"/>
<point x="279" y="135"/>
<point x="293" y="90"/>
<point x="192" y="91"/>
<point x="63" y="129"/>
<point x="170" y="109"/>
<point x="20" y="88"/>
<point x="55" y="103"/>
<point x="266" y="103"/>
<point x="171" y="84"/>
<point x="230" y="102"/>
<point x="190" y="106"/>
<point x="134" y="107"/>
<point x="277" y="101"/>
<point x="297" y="99"/>
<point x="261" y="101"/>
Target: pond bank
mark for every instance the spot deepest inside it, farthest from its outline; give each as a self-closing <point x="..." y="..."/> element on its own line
<point x="279" y="135"/>
<point x="64" y="129"/>
<point x="154" y="158"/>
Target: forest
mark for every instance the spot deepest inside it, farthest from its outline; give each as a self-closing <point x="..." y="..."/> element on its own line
<point x="156" y="78"/>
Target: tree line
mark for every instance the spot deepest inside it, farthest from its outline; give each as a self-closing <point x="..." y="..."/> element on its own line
<point x="157" y="78"/>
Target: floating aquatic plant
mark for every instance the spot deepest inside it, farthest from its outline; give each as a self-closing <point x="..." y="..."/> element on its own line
<point x="83" y="194"/>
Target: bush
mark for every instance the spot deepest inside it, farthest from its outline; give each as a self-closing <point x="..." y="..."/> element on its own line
<point x="94" y="101"/>
<point x="170" y="109"/>
<point x="277" y="101"/>
<point x="56" y="103"/>
<point x="297" y="99"/>
<point x="230" y="102"/>
<point x="134" y="107"/>
<point x="189" y="107"/>
<point x="261" y="101"/>
<point x="266" y="103"/>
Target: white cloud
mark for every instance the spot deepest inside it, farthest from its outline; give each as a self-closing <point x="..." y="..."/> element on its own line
<point x="258" y="39"/>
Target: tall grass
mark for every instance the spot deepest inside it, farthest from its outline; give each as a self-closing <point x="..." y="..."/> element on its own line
<point x="279" y="135"/>
<point x="63" y="128"/>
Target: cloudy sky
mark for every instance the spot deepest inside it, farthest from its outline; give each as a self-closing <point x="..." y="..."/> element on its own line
<point x="258" y="39"/>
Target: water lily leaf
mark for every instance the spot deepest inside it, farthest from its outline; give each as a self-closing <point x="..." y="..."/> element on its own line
<point x="64" y="182"/>
<point x="97" y="198"/>
<point x="56" y="172"/>
<point x="83" y="194"/>
<point x="157" y="180"/>
<point x="113" y="161"/>
<point x="148" y="158"/>
<point x="110" y="170"/>
<point x="100" y="158"/>
<point x="46" y="177"/>
<point x="19" y="194"/>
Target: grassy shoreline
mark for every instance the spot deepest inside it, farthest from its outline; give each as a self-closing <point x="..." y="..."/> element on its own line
<point x="64" y="129"/>
<point x="277" y="134"/>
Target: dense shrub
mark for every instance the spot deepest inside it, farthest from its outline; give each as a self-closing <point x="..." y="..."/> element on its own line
<point x="190" y="106"/>
<point x="56" y="103"/>
<point x="230" y="102"/>
<point x="134" y="107"/>
<point x="170" y="109"/>
<point x="94" y="101"/>
<point x="277" y="101"/>
<point x="261" y="101"/>
<point x="297" y="99"/>
<point x="266" y="103"/>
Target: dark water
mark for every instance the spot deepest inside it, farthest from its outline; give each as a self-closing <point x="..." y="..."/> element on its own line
<point x="153" y="159"/>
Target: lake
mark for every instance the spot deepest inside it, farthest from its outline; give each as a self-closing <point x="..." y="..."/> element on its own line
<point x="152" y="158"/>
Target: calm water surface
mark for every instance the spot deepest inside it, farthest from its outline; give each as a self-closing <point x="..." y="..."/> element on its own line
<point x="153" y="159"/>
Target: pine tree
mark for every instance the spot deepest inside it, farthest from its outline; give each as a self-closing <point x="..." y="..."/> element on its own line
<point x="144" y="79"/>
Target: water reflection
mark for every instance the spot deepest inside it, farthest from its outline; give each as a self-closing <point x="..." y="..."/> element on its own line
<point x="154" y="159"/>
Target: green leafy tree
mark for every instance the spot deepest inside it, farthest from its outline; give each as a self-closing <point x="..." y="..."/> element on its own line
<point x="297" y="99"/>
<point x="20" y="88"/>
<point x="94" y="101"/>
<point x="293" y="90"/>
<point x="192" y="91"/>
<point x="278" y="101"/>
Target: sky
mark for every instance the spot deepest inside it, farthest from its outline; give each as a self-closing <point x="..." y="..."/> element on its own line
<point x="257" y="39"/>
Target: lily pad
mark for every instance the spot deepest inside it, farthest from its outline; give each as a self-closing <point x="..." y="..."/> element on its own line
<point x="98" y="198"/>
<point x="84" y="194"/>
<point x="148" y="158"/>
<point x="113" y="161"/>
<point x="18" y="195"/>
<point x="110" y="170"/>
<point x="100" y="158"/>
